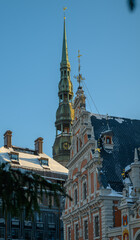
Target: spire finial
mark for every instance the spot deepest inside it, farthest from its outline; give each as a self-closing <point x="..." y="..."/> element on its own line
<point x="64" y="47"/>
<point x="136" y="159"/>
<point x="64" y="9"/>
<point x="79" y="77"/>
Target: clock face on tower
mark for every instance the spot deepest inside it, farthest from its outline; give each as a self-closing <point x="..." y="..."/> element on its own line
<point x="65" y="146"/>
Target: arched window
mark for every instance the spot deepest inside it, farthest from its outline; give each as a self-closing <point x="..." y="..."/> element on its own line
<point x="138" y="237"/>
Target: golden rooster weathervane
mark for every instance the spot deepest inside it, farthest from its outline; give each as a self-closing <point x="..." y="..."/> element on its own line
<point x="79" y="77"/>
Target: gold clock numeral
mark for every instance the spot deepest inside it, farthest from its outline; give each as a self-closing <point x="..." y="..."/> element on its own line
<point x="65" y="146"/>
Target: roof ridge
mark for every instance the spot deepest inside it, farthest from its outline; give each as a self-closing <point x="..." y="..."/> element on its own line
<point x="100" y="116"/>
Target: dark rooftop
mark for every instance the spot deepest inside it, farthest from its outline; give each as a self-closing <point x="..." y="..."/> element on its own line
<point x="126" y="137"/>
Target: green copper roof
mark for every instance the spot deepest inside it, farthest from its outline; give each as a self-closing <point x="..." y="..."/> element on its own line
<point x="64" y="47"/>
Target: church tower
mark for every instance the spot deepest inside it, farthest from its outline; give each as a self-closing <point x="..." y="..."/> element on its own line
<point x="65" y="111"/>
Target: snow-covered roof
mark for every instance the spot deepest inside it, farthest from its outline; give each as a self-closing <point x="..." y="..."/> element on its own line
<point x="118" y="119"/>
<point x="126" y="137"/>
<point x="31" y="161"/>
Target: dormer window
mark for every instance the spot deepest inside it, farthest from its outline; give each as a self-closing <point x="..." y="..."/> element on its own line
<point x="14" y="157"/>
<point x="108" y="140"/>
<point x="44" y="162"/>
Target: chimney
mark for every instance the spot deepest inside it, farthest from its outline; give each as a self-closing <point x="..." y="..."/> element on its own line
<point x="39" y="145"/>
<point x="8" y="139"/>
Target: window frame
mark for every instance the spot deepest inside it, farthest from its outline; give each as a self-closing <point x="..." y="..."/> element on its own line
<point x="108" y="140"/>
<point x="16" y="159"/>
<point x="42" y="162"/>
<point x="69" y="232"/>
<point x="94" y="223"/>
<point x="84" y="188"/>
<point x="75" y="231"/>
<point x="2" y="231"/>
<point x="84" y="233"/>
<point x="75" y="196"/>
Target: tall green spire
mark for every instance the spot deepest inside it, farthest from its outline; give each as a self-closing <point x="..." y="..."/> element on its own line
<point x="64" y="47"/>
<point x="65" y="112"/>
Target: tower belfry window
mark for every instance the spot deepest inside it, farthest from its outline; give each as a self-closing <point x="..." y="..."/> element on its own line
<point x="60" y="98"/>
<point x="65" y="97"/>
<point x="65" y="73"/>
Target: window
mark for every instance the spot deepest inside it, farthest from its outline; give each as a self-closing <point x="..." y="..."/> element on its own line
<point x="138" y="237"/>
<point x="27" y="234"/>
<point x="77" y="145"/>
<point x="69" y="233"/>
<point x="39" y="217"/>
<point x="51" y="218"/>
<point x="2" y="233"/>
<point x="113" y="216"/>
<point x="80" y="143"/>
<point x="14" y="156"/>
<point x="76" y="232"/>
<point x="86" y="230"/>
<point x="44" y="162"/>
<point x="65" y="96"/>
<point x="108" y="140"/>
<point x="39" y="235"/>
<point x="75" y="196"/>
<point x="97" y="226"/>
<point x="50" y="200"/>
<point x="84" y="190"/>
<point x="65" y="72"/>
<point x="15" y="233"/>
<point x="1" y="213"/>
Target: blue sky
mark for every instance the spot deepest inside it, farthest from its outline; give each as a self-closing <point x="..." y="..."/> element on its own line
<point x="31" y="32"/>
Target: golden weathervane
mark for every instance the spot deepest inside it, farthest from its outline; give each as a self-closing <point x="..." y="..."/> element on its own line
<point x="79" y="77"/>
<point x="64" y="9"/>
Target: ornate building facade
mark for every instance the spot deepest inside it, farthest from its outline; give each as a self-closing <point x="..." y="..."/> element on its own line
<point x="106" y="204"/>
<point x="65" y="112"/>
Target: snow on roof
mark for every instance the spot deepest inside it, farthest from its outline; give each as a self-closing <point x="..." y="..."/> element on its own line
<point x="127" y="180"/>
<point x="127" y="168"/>
<point x="118" y="119"/>
<point x="113" y="193"/>
<point x="31" y="161"/>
